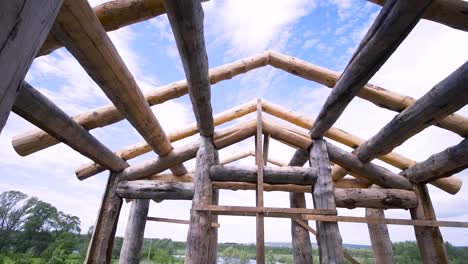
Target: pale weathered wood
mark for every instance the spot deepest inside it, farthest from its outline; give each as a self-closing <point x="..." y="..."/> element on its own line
<point x="134" y="232"/>
<point x="272" y="175"/>
<point x="452" y="13"/>
<point x="451" y="185"/>
<point x="198" y="236"/>
<point x="430" y="241"/>
<point x="236" y="157"/>
<point x="222" y="138"/>
<point x="380" y="238"/>
<point x="100" y="246"/>
<point x="370" y="171"/>
<point x="25" y="25"/>
<point x="329" y="238"/>
<point x="374" y="94"/>
<point x="446" y="97"/>
<point x="394" y="22"/>
<point x="260" y="220"/>
<point x="442" y="164"/>
<point x="39" y="110"/>
<point x="141" y="148"/>
<point x="213" y="235"/>
<point x="301" y="246"/>
<point x="186" y="19"/>
<point x="174" y="188"/>
<point x="267" y="211"/>
<point x="175" y="221"/>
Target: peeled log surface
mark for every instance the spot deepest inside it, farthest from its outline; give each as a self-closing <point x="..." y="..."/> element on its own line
<point x="452" y="13"/>
<point x="442" y="164"/>
<point x="186" y="19"/>
<point x="344" y="197"/>
<point x="25" y="25"/>
<point x="446" y="97"/>
<point x="380" y="238"/>
<point x="140" y="148"/>
<point x="40" y="111"/>
<point x="370" y="171"/>
<point x="134" y="232"/>
<point x="272" y="175"/>
<point x="35" y="140"/>
<point x="222" y="138"/>
<point x="78" y="28"/>
<point x="372" y="93"/>
<point x="301" y="246"/>
<point x="394" y="22"/>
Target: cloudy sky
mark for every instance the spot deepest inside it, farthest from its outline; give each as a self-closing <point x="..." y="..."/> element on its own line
<point x="324" y="33"/>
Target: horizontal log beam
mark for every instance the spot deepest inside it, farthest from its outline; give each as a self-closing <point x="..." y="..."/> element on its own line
<point x="141" y="148"/>
<point x="40" y="111"/>
<point x="442" y="164"/>
<point x="222" y="138"/>
<point x="162" y="189"/>
<point x="452" y="13"/>
<point x="446" y="97"/>
<point x="267" y="211"/>
<point x="394" y="22"/>
<point x="272" y="175"/>
<point x="176" y="221"/>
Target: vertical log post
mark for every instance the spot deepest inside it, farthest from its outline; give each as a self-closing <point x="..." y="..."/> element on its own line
<point x="213" y="258"/>
<point x="135" y="232"/>
<point x="25" y="26"/>
<point x="260" y="163"/>
<point x="198" y="238"/>
<point x="302" y="248"/>
<point x="430" y="241"/>
<point x="329" y="238"/>
<point x="102" y="241"/>
<point x="380" y="239"/>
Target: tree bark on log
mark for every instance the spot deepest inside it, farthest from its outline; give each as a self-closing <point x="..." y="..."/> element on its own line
<point x="134" y="232"/>
<point x="380" y="238"/>
<point x="442" y="164"/>
<point x="329" y="238"/>
<point x="394" y="22"/>
<point x="102" y="241"/>
<point x="272" y="175"/>
<point x="40" y="111"/>
<point x="25" y="25"/>
<point x="198" y="237"/>
<point x="430" y="241"/>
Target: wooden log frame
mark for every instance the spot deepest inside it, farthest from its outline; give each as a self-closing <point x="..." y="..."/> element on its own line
<point x="429" y="239"/>
<point x="186" y="19"/>
<point x="380" y="238"/>
<point x="176" y="221"/>
<point x="452" y="160"/>
<point x="329" y="239"/>
<point x="134" y="232"/>
<point x="25" y="25"/>
<point x="394" y="22"/>
<point x="40" y="111"/>
<point x="272" y="175"/>
<point x="451" y="185"/>
<point x="446" y="97"/>
<point x="449" y="13"/>
<point x="259" y="161"/>
<point x="78" y="28"/>
<point x="140" y="148"/>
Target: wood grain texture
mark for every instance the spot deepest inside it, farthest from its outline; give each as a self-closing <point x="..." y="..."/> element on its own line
<point x="430" y="241"/>
<point x="175" y="221"/>
<point x="198" y="235"/>
<point x="272" y="175"/>
<point x="186" y="19"/>
<point x="380" y="238"/>
<point x="102" y="240"/>
<point x="155" y="190"/>
<point x="135" y="150"/>
<point x="452" y="13"/>
<point x="25" y="26"/>
<point x="222" y="138"/>
<point x="134" y="232"/>
<point x="446" y="97"/>
<point x="394" y="22"/>
<point x="329" y="238"/>
<point x="452" y="160"/>
<point x="40" y="111"/>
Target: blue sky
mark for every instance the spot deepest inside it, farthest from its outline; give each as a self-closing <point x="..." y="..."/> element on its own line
<point x="324" y="33"/>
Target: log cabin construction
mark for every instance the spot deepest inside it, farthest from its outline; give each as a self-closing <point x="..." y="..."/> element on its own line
<point x="335" y="178"/>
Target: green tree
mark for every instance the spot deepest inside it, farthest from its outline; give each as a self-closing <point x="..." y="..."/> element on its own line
<point x="59" y="256"/>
